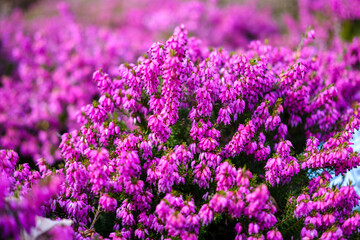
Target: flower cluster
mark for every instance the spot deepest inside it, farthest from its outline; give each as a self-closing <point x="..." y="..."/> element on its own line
<point x="283" y="166"/>
<point x="165" y="144"/>
<point x="187" y="142"/>
<point x="49" y="60"/>
<point x="327" y="212"/>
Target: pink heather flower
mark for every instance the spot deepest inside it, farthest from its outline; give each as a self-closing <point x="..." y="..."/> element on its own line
<point x="139" y="233"/>
<point x="205" y="214"/>
<point x="126" y="216"/>
<point x="308" y="234"/>
<point x="8" y="161"/>
<point x="202" y="175"/>
<point x="238" y="228"/>
<point x="95" y="112"/>
<point x="189" y="236"/>
<point x="274" y="235"/>
<point x="107" y="203"/>
<point x="198" y="130"/>
<point x="253" y="228"/>
<point x="303" y="209"/>
<point x="316" y="221"/>
<point x="208" y="144"/>
<point x="224" y="115"/>
<point x="225" y="176"/>
<point x="116" y="236"/>
<point x="243" y="178"/>
<point x="310" y="35"/>
<point x="99" y="169"/>
<point x="62" y="232"/>
<point x="272" y="122"/>
<point x="174" y="223"/>
<point x="218" y="203"/>
<point x="328" y="219"/>
<point x="156" y="124"/>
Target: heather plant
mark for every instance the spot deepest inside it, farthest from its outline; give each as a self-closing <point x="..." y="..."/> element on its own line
<point x="197" y="143"/>
<point x="47" y="61"/>
<point x="188" y="142"/>
<point x="46" y="71"/>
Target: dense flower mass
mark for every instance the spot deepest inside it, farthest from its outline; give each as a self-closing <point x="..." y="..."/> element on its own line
<point x="328" y="212"/>
<point x="216" y="110"/>
<point x="47" y="75"/>
<point x="187" y="142"/>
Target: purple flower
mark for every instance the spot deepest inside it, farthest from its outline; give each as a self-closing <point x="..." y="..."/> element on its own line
<point x="107" y="203"/>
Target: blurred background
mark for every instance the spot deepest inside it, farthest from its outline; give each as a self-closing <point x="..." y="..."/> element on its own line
<point x="279" y="6"/>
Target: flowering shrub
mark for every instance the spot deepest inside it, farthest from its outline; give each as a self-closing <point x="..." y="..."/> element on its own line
<point x="52" y="58"/>
<point x="189" y="140"/>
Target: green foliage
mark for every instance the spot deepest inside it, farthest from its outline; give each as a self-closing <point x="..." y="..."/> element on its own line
<point x="285" y="201"/>
<point x="180" y="130"/>
<point x="350" y="29"/>
<point x="105" y="223"/>
<point x="221" y="228"/>
<point x="288" y="224"/>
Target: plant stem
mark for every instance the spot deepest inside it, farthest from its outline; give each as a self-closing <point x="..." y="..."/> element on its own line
<point x="96" y="217"/>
